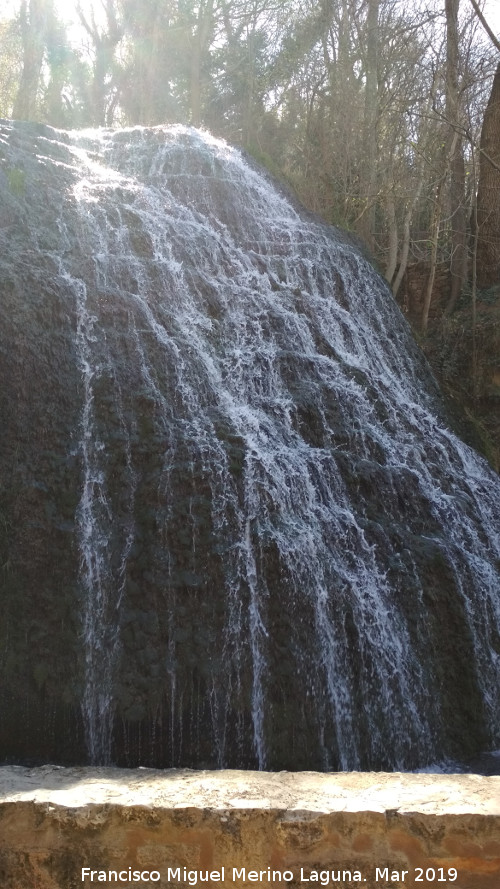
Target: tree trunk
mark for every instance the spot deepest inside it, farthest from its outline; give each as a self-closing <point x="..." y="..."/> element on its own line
<point x="405" y="246"/>
<point x="475" y="379"/>
<point x="449" y="153"/>
<point x="457" y="214"/>
<point x="488" y="194"/>
<point x="33" y="19"/>
<point x="392" y="226"/>
<point x="201" y="39"/>
<point x="366" y="225"/>
<point x="436" y="220"/>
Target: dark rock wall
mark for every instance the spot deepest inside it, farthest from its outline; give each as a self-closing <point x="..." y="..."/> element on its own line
<point x="234" y="528"/>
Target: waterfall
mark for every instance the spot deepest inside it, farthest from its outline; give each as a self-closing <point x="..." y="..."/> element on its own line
<point x="246" y="536"/>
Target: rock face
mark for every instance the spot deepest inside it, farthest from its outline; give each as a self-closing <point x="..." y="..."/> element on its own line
<point x="380" y="831"/>
<point x="235" y="529"/>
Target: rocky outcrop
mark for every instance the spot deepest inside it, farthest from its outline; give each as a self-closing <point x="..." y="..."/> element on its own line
<point x="67" y="828"/>
<point x="235" y="528"/>
<point x="466" y="360"/>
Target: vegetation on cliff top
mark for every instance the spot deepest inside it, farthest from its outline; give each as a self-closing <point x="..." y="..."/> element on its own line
<point x="383" y="116"/>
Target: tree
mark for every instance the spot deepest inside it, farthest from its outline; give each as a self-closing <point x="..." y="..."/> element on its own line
<point x="153" y="63"/>
<point x="488" y="192"/>
<point x="366" y="223"/>
<point x="35" y="19"/>
<point x="10" y="66"/>
<point x="457" y="213"/>
<point x="105" y="39"/>
<point x="201" y="35"/>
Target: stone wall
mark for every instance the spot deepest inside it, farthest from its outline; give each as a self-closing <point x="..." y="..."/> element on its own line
<point x="240" y="829"/>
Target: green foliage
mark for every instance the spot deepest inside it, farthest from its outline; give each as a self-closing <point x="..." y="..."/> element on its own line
<point x="341" y="101"/>
<point x="265" y="159"/>
<point x="10" y="65"/>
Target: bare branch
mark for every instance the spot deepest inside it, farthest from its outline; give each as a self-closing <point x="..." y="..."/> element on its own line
<point x="491" y="35"/>
<point x="490" y="159"/>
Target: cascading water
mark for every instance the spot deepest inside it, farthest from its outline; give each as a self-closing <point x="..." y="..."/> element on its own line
<point x="238" y="526"/>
